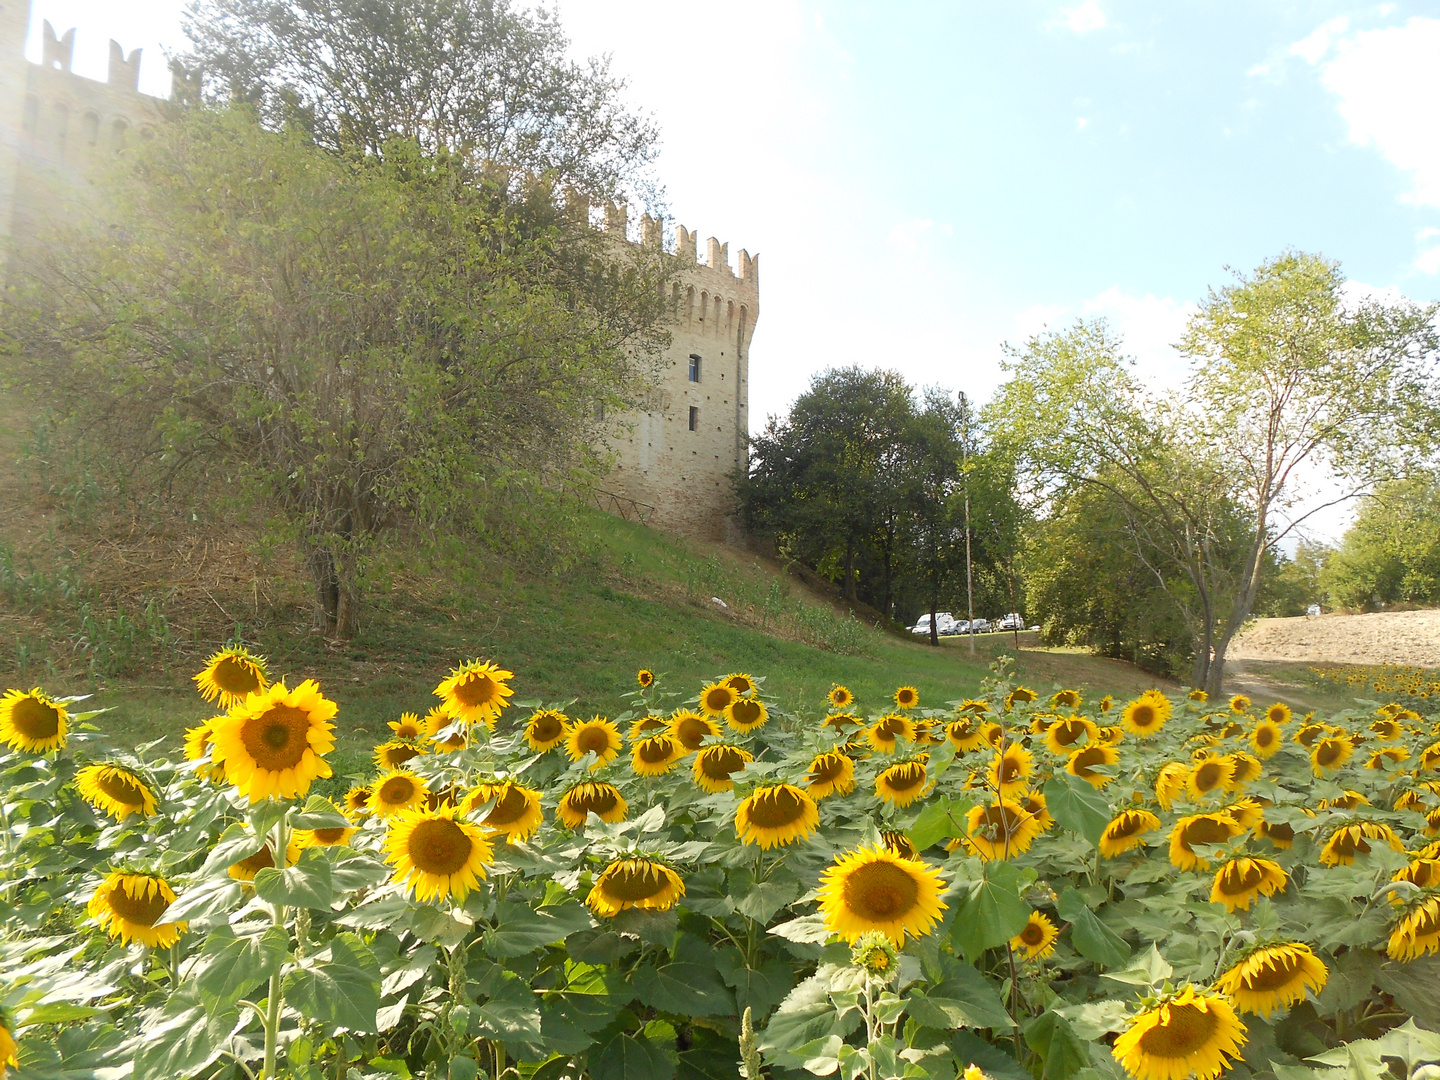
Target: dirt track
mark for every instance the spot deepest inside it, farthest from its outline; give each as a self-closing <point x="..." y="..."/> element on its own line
<point x="1389" y="637"/>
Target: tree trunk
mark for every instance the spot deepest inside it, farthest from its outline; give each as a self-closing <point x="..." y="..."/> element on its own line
<point x="337" y="595"/>
<point x="849" y="589"/>
<point x="934" y="603"/>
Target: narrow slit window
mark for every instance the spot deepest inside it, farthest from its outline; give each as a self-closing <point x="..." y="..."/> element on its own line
<point x="694" y="418"/>
<point x="694" y="367"/>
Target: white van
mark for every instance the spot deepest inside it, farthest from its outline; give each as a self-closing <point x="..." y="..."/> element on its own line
<point x="944" y="624"/>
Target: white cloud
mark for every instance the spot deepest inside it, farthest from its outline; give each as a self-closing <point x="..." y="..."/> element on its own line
<point x="1314" y="46"/>
<point x="1081" y="123"/>
<point x="1148" y="326"/>
<point x="1428" y="261"/>
<point x="1082" y="18"/>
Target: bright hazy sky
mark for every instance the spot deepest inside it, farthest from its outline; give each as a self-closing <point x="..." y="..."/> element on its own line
<point x="924" y="181"/>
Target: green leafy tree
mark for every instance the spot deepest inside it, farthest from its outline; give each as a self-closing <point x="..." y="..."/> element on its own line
<point x="1391" y="554"/>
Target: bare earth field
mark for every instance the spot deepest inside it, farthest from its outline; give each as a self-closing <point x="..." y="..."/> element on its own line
<point x="1387" y="637"/>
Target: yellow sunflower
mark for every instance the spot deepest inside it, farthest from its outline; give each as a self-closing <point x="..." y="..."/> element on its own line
<point x="455" y="740"/>
<point x="130" y="907"/>
<point x="1105" y="704"/>
<point x="411" y="726"/>
<point x="9" y="1052"/>
<point x="1174" y="778"/>
<point x="964" y="734"/>
<point x="656" y="755"/>
<point x="1125" y="831"/>
<point x="831" y="773"/>
<point x="838" y="722"/>
<point x="1200" y="697"/>
<point x="1247" y="768"/>
<point x="1210" y="774"/>
<point x="642" y="727"/>
<point x="592" y="797"/>
<point x="902" y="783"/>
<point x="715" y="767"/>
<point x="33" y="721"/>
<point x="993" y="734"/>
<point x="357" y="802"/>
<point x="1422" y="873"/>
<point x="776" y="815"/>
<point x="1064" y="736"/>
<point x="1187" y="1034"/>
<point x="516" y="812"/>
<point x="1330" y="753"/>
<point x="1306" y="734"/>
<point x="396" y="792"/>
<point x="1037" y="940"/>
<point x="1033" y="803"/>
<point x="437" y="854"/>
<point x="645" y="677"/>
<point x="1348" y="841"/>
<point x="337" y="836"/>
<point x="597" y="736"/>
<point x="1196" y="830"/>
<point x="393" y="753"/>
<point x="1430" y="757"/>
<point x="898" y="843"/>
<point x="475" y="692"/>
<point x="1082" y="763"/>
<point x="840" y="697"/>
<point x="1280" y="834"/>
<point x="1248" y="812"/>
<point x="1000" y="830"/>
<point x="746" y="714"/>
<point x="716" y="698"/>
<point x="1240" y="704"/>
<point x="741" y="683"/>
<point x="1147" y="714"/>
<point x="692" y="729"/>
<point x="874" y="889"/>
<point x="885" y="733"/>
<point x="545" y="730"/>
<point x="248" y="867"/>
<point x="1266" y="739"/>
<point x="231" y="675"/>
<point x="1418" y="932"/>
<point x="1010" y="772"/>
<point x="1386" y="757"/>
<point x="1240" y="881"/>
<point x="635" y="882"/>
<point x="1387" y="730"/>
<point x="116" y="790"/>
<point x="1065" y="699"/>
<point x="272" y="742"/>
<point x="1279" y="714"/>
<point x="1347" y="801"/>
<point x="1274" y="977"/>
<point x="907" y="697"/>
<point x="1020" y="695"/>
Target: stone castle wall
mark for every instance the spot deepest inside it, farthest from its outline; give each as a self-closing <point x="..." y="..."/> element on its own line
<point x="677" y="465"/>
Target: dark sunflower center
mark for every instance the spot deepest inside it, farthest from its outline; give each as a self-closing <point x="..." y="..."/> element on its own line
<point x="1307" y="736"/>
<point x="740" y="684"/>
<point x="397" y="790"/>
<point x="1329" y="752"/>
<point x="1275" y="716"/>
<point x="235" y="676"/>
<point x="1278" y="971"/>
<point x="1143" y="716"/>
<point x="1424" y="874"/>
<point x="276" y="739"/>
<point x="721" y="762"/>
<point x="1209" y="775"/>
<point x="650" y="723"/>
<point x="904" y="777"/>
<point x="141" y="910"/>
<point x="745" y="712"/>
<point x="438" y="847"/>
<point x="398" y="755"/>
<point x="35" y="719"/>
<point x="1033" y="934"/>
<point x="691" y="732"/>
<point x="826" y="768"/>
<point x="356" y="800"/>
<point x="1126" y="825"/>
<point x="1184" y="1031"/>
<point x="1091" y="755"/>
<point x="1241" y="877"/>
<point x="905" y="697"/>
<point x="881" y="892"/>
<point x="476" y="690"/>
<point x="998" y="821"/>
<point x="122" y="788"/>
<point x="1428" y="923"/>
<point x="1280" y="831"/>
<point x="776" y="808"/>
<point x="259" y="861"/>
<point x="1010" y="770"/>
<point x="544" y="728"/>
<point x="719" y="698"/>
<point x="329" y="837"/>
<point x="593" y="739"/>
<point x="655" y="751"/>
<point x="1265" y="737"/>
<point x="510" y="806"/>
<point x="1067" y="732"/>
<point x="633" y="881"/>
<point x="599" y="800"/>
<point x="1206" y="830"/>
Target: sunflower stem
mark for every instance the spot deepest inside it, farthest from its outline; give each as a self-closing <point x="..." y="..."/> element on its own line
<point x="272" y="1002"/>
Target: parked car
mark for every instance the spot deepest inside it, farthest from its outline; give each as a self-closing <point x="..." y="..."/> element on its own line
<point x="944" y="623"/>
<point x="979" y="626"/>
<point x="959" y="626"/>
<point x="1012" y="621"/>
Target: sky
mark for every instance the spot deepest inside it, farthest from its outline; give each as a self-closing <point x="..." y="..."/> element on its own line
<point x="925" y="182"/>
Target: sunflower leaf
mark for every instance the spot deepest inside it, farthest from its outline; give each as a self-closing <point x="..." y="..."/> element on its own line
<point x="936" y="822"/>
<point x="307" y="884"/>
<point x="343" y="990"/>
<point x="239" y="963"/>
<point x="1077" y="806"/>
<point x="684" y="988"/>
<point x="632" y="1057"/>
<point x="520" y="930"/>
<point x="993" y="911"/>
<point x="184" y="1043"/>
<point x="1092" y="939"/>
<point x="1062" y="1053"/>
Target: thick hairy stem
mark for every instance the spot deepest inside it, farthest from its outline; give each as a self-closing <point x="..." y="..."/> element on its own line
<point x="272" y="1002"/>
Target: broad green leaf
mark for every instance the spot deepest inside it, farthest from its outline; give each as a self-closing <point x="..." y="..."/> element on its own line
<point x="305" y="885"/>
<point x="1092" y="938"/>
<point x="629" y="1057"/>
<point x="962" y="997"/>
<point x="352" y="870"/>
<point x="992" y="912"/>
<point x="1062" y="1053"/>
<point x="806" y="930"/>
<point x="208" y="901"/>
<point x="184" y="1043"/>
<point x="762" y="900"/>
<point x="239" y="963"/>
<point x="1149" y="969"/>
<point x="806" y="1015"/>
<point x="569" y="1021"/>
<point x="1077" y="806"/>
<point x="521" y="930"/>
<point x="970" y="1048"/>
<point x="759" y="989"/>
<point x="386" y="913"/>
<point x="343" y="991"/>
<point x="938" y="821"/>
<point x="1414" y="985"/>
<point x="510" y="1011"/>
<point x="684" y="988"/>
<point x="319" y="813"/>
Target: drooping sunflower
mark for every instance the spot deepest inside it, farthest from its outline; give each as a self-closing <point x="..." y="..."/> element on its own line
<point x="1065" y="699"/>
<point x="592" y="797"/>
<point x="741" y="683"/>
<point x="656" y="755"/>
<point x="1200" y="697"/>
<point x="273" y="742"/>
<point x="1171" y="783"/>
<point x="440" y="798"/>
<point x="1248" y="812"/>
<point x="1349" y="800"/>
<point x="1418" y="932"/>
<point x="1348" y="841"/>
<point x="437" y="853"/>
<point x="1210" y="774"/>
<point x="1240" y="704"/>
<point x="831" y="773"/>
<point x="475" y="692"/>
<point x="841" y="697"/>
<point x="1247" y="768"/>
<point x="993" y="734"/>
<point x="902" y="783"/>
<point x="964" y="734"/>
<point x="454" y="740"/>
<point x="874" y="889"/>
<point x="645" y="677"/>
<point x="1037" y="939"/>
<point x="692" y="729"/>
<point x="1266" y="739"/>
<point x="1105" y="704"/>
<point x="412" y="726"/>
<point x="116" y="790"/>
<point x="545" y="730"/>
<point x="746" y="714"/>
<point x="1306" y="734"/>
<point x="264" y="859"/>
<point x="197" y="746"/>
<point x="33" y="721"/>
<point x="1409" y="800"/>
<point x="1064" y="736"/>
<point x="1430" y="757"/>
<point x="642" y="727"/>
<point x="1082" y="763"/>
<point x="1240" y="881"/>
<point x="130" y="907"/>
<point x="907" y="697"/>
<point x="357" y="802"/>
<point x="897" y="842"/>
<point x="1330" y="753"/>
<point x="1125" y="832"/>
<point x="597" y="736"/>
<point x="231" y="675"/>
<point x="635" y="882"/>
<point x="1274" y="977"/>
<point x="885" y="733"/>
<point x="1021" y="695"/>
<point x="838" y="722"/>
<point x="1387" y="730"/>
<point x="1281" y="834"/>
<point x="1199" y="829"/>
<point x="1386" y="757"/>
<point x="776" y="815"/>
<point x="1422" y="873"/>
<point x="396" y="792"/>
<point x="336" y="836"/>
<point x="715" y="767"/>
<point x="1010" y="772"/>
<point x="1147" y="714"/>
<point x="393" y="753"/>
<point x="516" y="812"/>
<point x="1034" y="804"/>
<point x="1000" y="830"/>
<point x="1187" y="1034"/>
<point x="716" y="698"/>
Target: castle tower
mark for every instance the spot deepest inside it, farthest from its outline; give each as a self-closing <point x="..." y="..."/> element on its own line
<point x="14" y="29"/>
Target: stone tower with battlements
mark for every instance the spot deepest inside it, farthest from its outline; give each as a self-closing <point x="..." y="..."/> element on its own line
<point x="674" y="458"/>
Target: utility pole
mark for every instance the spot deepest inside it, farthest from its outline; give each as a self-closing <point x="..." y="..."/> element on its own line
<point x="965" y="479"/>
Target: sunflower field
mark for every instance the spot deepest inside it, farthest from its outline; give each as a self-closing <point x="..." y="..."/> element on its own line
<point x="1020" y="886"/>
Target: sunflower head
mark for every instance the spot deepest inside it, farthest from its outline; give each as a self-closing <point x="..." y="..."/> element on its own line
<point x="248" y="867"/>
<point x="1065" y="699"/>
<point x="1001" y="830"/>
<point x="475" y="692"/>
<point x="1200" y="697"/>
<point x="907" y="697"/>
<point x="656" y="755"/>
<point x="776" y="815"/>
<point x="337" y="836"/>
<point x="875" y="954"/>
<point x="131" y="907"/>
<point x="1418" y="932"/>
<point x="715" y="767"/>
<point x="1200" y="830"/>
<point x="33" y="721"/>
<point x="885" y="732"/>
<point x="1037" y="940"/>
<point x="273" y="743"/>
<point x="831" y="773"/>
<point x="411" y="726"/>
<point x="357" y="802"/>
<point x="1146" y="715"/>
<point x="591" y="797"/>
<point x="116" y="790"/>
<point x="1330" y="753"/>
<point x="1186" y="1033"/>
<point x="746" y="714"/>
<point x="1020" y="695"/>
<point x="741" y="683"/>
<point x="396" y="792"/>
<point x="965" y="734"/>
<point x="642" y="727"/>
<point x="1126" y="831"/>
<point x="841" y="697"/>
<point x="874" y="890"/>
<point x="545" y="730"/>
<point x="514" y="812"/>
<point x="1105" y="704"/>
<point x="1273" y="977"/>
<point x="1085" y="761"/>
<point x="716" y="698"/>
<point x="597" y="736"/>
<point x="1211" y="774"/>
<point x="645" y="677"/>
<point x="1240" y="704"/>
<point x="1240" y="881"/>
<point x="692" y="729"/>
<point x="231" y="675"/>
<point x="393" y="753"/>
<point x="437" y="853"/>
<point x="1010" y="772"/>
<point x="902" y="783"/>
<point x="839" y="722"/>
<point x="635" y="882"/>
